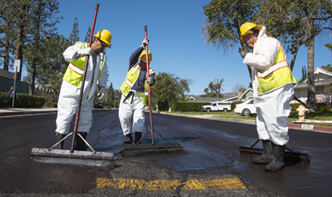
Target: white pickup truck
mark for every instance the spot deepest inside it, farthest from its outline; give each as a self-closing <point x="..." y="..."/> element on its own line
<point x="217" y="106"/>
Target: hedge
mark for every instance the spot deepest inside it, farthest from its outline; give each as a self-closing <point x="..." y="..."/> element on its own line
<point x="24" y="100"/>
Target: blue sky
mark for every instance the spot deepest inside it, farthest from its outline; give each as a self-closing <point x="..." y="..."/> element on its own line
<point x="176" y="40"/>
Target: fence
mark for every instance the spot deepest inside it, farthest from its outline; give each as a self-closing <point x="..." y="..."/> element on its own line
<point x="20" y="86"/>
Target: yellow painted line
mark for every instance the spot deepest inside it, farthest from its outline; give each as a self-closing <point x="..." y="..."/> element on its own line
<point x="196" y="184"/>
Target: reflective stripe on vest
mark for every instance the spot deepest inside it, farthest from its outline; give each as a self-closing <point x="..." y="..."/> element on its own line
<point x="75" y="70"/>
<point x="275" y="76"/>
<point x="131" y="79"/>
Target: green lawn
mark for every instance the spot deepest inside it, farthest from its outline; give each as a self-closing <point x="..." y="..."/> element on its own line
<point x="322" y="115"/>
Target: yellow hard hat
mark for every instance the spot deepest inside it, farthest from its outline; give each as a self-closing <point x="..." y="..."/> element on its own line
<point x="105" y="36"/>
<point x="246" y="28"/>
<point x="143" y="56"/>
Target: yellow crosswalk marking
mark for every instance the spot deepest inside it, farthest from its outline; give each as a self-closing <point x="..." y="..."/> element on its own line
<point x="196" y="184"/>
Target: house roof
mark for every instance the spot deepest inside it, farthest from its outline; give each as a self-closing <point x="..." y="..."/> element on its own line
<point x="244" y="93"/>
<point x="317" y="83"/>
<point x="321" y="82"/>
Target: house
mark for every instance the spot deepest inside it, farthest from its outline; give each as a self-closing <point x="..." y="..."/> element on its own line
<point x="323" y="91"/>
<point x="241" y="97"/>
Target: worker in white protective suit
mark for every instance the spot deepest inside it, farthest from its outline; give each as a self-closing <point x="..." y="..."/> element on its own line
<point x="273" y="86"/>
<point x="96" y="75"/>
<point x="135" y="94"/>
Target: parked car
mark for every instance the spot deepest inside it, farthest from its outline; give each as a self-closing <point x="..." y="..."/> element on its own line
<point x="217" y="106"/>
<point x="246" y="108"/>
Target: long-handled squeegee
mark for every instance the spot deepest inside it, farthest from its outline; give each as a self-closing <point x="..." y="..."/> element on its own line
<point x="74" y="157"/>
<point x="290" y="155"/>
<point x="160" y="148"/>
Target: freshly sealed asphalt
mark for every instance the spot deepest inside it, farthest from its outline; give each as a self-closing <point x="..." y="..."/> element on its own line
<point x="211" y="164"/>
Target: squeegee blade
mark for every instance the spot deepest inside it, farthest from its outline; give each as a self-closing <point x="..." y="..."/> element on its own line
<point x="290" y="155"/>
<point x="158" y="148"/>
<point x="77" y="158"/>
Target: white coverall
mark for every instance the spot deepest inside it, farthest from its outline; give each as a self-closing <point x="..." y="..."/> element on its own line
<point x="273" y="108"/>
<point x="70" y="94"/>
<point x="131" y="114"/>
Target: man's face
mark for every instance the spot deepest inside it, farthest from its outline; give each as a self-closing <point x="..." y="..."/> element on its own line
<point x="142" y="65"/>
<point x="98" y="46"/>
<point x="250" y="40"/>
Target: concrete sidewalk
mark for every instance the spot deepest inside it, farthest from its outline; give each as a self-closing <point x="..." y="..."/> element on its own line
<point x="19" y="111"/>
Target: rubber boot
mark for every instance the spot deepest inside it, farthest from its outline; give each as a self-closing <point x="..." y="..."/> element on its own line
<point x="278" y="161"/>
<point x="59" y="137"/>
<point x="138" y="136"/>
<point x="128" y="139"/>
<point x="80" y="144"/>
<point x="267" y="155"/>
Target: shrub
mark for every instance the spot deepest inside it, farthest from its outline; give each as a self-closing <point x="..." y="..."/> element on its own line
<point x="51" y="104"/>
<point x="185" y="106"/>
<point x="24" y="100"/>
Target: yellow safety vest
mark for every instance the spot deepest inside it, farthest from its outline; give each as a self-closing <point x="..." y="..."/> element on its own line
<point x="276" y="75"/>
<point x="131" y="79"/>
<point x="75" y="70"/>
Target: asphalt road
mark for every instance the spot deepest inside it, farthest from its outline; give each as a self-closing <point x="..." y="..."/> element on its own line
<point x="211" y="164"/>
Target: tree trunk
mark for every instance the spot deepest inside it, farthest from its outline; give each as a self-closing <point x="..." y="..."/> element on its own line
<point x="294" y="58"/>
<point x="19" y="41"/>
<point x="35" y="46"/>
<point x="169" y="106"/>
<point x="157" y="107"/>
<point x="311" y="102"/>
<point x="6" y="54"/>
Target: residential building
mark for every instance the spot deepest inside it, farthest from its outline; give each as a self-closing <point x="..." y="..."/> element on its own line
<point x="323" y="90"/>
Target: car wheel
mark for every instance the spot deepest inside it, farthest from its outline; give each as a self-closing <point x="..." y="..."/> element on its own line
<point x="208" y="109"/>
<point x="225" y="110"/>
<point x="246" y="112"/>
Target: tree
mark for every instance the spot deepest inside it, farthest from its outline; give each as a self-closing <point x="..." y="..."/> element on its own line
<point x="109" y="95"/>
<point x="52" y="66"/>
<point x="215" y="86"/>
<point x="329" y="46"/>
<point x="304" y="74"/>
<point x="7" y="40"/>
<point x="74" y="35"/>
<point x="169" y="88"/>
<point x="221" y="29"/>
<point x="239" y="88"/>
<point x="87" y="35"/>
<point x="42" y="23"/>
<point x="328" y="67"/>
<point x="296" y="23"/>
<point x="21" y="17"/>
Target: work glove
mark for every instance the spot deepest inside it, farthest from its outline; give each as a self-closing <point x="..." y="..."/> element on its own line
<point x="101" y="94"/>
<point x="145" y="42"/>
<point x="243" y="52"/>
<point x="150" y="81"/>
<point x="84" y="52"/>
